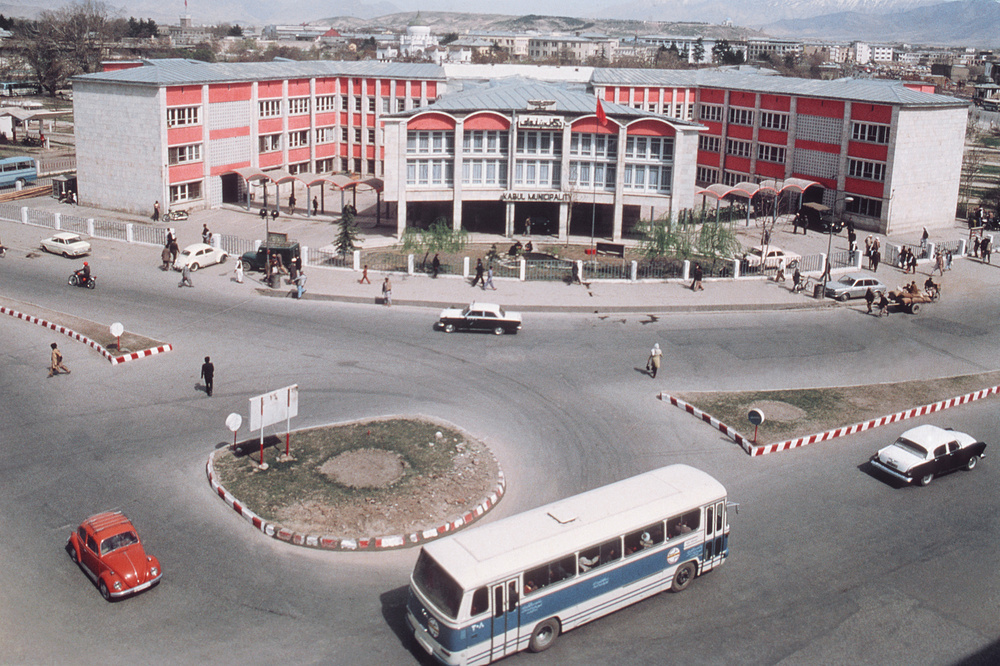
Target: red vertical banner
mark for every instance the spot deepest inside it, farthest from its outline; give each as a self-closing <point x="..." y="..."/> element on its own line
<point x="601" y="117"/>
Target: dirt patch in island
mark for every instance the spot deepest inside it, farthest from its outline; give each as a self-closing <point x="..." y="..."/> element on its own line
<point x="363" y="479"/>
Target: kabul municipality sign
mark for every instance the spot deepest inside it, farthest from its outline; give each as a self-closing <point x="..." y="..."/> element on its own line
<point x="557" y="197"/>
<point x="540" y="122"/>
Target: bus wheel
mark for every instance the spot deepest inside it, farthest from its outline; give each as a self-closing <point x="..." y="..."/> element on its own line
<point x="683" y="577"/>
<point x="544" y="635"/>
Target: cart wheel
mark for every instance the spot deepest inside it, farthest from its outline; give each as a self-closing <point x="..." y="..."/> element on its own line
<point x="915" y="308"/>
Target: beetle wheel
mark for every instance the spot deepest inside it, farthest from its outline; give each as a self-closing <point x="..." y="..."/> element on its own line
<point x="971" y="465"/>
<point x="544" y="635"/>
<point x="926" y="479"/>
<point x="104" y="591"/>
<point x="194" y="267"/>
<point x="683" y="577"/>
<point x="72" y="554"/>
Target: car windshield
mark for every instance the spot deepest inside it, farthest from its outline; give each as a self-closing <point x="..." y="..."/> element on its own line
<point x="186" y="253"/>
<point x="755" y="251"/>
<point x="849" y="281"/>
<point x="117" y="541"/>
<point x="912" y="447"/>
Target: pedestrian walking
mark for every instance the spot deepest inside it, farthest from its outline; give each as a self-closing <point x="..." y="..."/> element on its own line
<point x="876" y="258"/>
<point x="174" y="250"/>
<point x="985" y="248"/>
<point x="315" y="206"/>
<point x="883" y="305"/>
<point x="947" y="259"/>
<point x="387" y="292"/>
<point x="156" y="211"/>
<point x="913" y="263"/>
<point x="923" y="238"/>
<point x="479" y="273"/>
<point x="291" y="204"/>
<point x="57" y="364"/>
<point x="185" y="276"/>
<point x="165" y="258"/>
<point x="206" y="235"/>
<point x="208" y="374"/>
<point x="697" y="277"/>
<point x="939" y="263"/>
<point x="171" y="236"/>
<point x="364" y="276"/>
<point x="870" y="299"/>
<point x="300" y="284"/>
<point x="489" y="278"/>
<point x="654" y="360"/>
<point x="975" y="246"/>
<point x="239" y="272"/>
<point x="435" y="266"/>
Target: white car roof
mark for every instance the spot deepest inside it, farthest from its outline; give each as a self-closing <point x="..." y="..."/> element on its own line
<point x="194" y="247"/>
<point x="476" y="305"/>
<point x="67" y="235"/>
<point x="930" y="436"/>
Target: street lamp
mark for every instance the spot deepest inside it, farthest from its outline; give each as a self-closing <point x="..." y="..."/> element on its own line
<point x="827" y="274"/>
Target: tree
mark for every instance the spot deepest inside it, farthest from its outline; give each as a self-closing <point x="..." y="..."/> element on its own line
<point x="347" y="239"/>
<point x="699" y="50"/>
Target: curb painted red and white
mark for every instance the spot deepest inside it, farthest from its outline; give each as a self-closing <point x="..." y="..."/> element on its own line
<point x="58" y="328"/>
<point x="332" y="542"/>
<point x="762" y="449"/>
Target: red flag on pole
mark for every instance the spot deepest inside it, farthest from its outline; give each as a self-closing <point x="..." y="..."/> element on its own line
<point x="601" y="117"/>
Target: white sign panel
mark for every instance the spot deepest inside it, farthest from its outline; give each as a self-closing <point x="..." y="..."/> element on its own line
<point x="270" y="408"/>
<point x="540" y="122"/>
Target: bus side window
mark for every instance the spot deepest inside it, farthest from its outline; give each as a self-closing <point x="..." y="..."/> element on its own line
<point x="512" y="597"/>
<point x="498" y="601"/>
<point x="480" y="601"/>
<point x="679" y="525"/>
<point x="590" y="559"/>
<point x="647" y="537"/>
<point x="536" y="579"/>
<point x="562" y="569"/>
<point x="611" y="551"/>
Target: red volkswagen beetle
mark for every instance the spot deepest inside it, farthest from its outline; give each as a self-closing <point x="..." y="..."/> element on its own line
<point x="107" y="548"/>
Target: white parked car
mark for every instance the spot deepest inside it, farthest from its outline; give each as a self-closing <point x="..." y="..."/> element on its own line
<point x="67" y="244"/>
<point x="775" y="255"/>
<point x="198" y="256"/>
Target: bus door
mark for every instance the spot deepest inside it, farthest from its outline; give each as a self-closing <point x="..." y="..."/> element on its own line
<point x="715" y="532"/>
<point x="506" y="604"/>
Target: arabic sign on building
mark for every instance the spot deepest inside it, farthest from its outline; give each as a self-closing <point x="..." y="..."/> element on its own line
<point x="540" y="122"/>
<point x="556" y="197"/>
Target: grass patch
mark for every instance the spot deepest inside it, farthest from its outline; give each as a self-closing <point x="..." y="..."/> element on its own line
<point x="799" y="412"/>
<point x="441" y="477"/>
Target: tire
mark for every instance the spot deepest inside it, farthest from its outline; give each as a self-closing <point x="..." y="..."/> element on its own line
<point x="72" y="555"/>
<point x="498" y="330"/>
<point x="793" y="264"/>
<point x="683" y="577"/>
<point x="926" y="479"/>
<point x="103" y="587"/>
<point x="544" y="635"/>
<point x="92" y="283"/>
<point x="223" y="258"/>
<point x="73" y="280"/>
<point x="971" y="465"/>
<point x="914" y="308"/>
<point x="246" y="266"/>
<point x="194" y="267"/>
<point x="449" y="328"/>
<point x="843" y="298"/>
<point x="66" y="254"/>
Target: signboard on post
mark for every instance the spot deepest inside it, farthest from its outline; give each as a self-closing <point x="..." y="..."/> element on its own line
<point x="274" y="407"/>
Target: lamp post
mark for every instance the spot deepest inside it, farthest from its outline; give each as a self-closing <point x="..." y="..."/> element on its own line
<point x="827" y="274"/>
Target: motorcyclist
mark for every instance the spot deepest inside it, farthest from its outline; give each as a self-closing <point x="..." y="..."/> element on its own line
<point x="84" y="273"/>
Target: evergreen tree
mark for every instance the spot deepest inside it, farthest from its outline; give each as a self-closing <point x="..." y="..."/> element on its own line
<point x="347" y="238"/>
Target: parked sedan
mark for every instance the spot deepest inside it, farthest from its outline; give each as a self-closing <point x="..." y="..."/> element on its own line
<point x="67" y="244"/>
<point x="107" y="548"/>
<point x="927" y="451"/>
<point x="198" y="256"/>
<point x="480" y="317"/>
<point x="853" y="286"/>
<point x="775" y="255"/>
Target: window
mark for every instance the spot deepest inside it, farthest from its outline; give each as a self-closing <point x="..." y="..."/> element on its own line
<point x="480" y="601"/>
<point x="711" y="112"/>
<point x="865" y="206"/>
<point x="400" y="104"/>
<point x="344" y="104"/>
<point x="371" y="105"/>
<point x="185" y="192"/>
<point x="484" y="172"/>
<point x="549" y="574"/>
<point x="326" y="165"/>
<point x="326" y="103"/>
<point x="537" y="173"/>
<point x="600" y="146"/>
<point x="485" y="142"/>
<point x="865" y="169"/>
<point x="870" y="132"/>
<point x="642" y="539"/>
<point x="430" y="142"/>
<point x="183" y="154"/>
<point x="385" y="104"/>
<point x="707" y="175"/>
<point x="371" y="135"/>
<point x="684" y="524"/>
<point x="774" y="121"/>
<point x="269" y="143"/>
<point x="710" y="143"/>
<point x="357" y="102"/>
<point x="534" y="142"/>
<point x="732" y="177"/>
<point x="738" y="116"/>
<point x="183" y="115"/>
<point x="325" y="134"/>
<point x="598" y="556"/>
<point x="357" y="135"/>
<point x="298" y="139"/>
<point x="650" y="148"/>
<point x="430" y="172"/>
<point x="768" y="153"/>
<point x="298" y="106"/>
<point x="738" y="148"/>
<point x="343" y="134"/>
<point x="269" y="108"/>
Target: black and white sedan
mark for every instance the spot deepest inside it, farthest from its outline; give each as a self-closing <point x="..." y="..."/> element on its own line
<point x="480" y="317"/>
<point x="927" y="451"/>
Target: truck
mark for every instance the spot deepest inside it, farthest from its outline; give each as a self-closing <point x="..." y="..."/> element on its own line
<point x="276" y="244"/>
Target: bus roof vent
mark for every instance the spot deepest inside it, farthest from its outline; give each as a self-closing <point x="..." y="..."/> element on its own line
<point x="562" y="515"/>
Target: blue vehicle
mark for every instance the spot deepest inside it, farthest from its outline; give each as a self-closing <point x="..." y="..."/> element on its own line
<point x="490" y="591"/>
<point x="18" y="170"/>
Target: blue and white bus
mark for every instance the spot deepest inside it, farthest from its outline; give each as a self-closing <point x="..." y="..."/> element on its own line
<point x="14" y="170"/>
<point x="493" y="590"/>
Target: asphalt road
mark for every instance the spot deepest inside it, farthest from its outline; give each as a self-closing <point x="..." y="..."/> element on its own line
<point x="829" y="565"/>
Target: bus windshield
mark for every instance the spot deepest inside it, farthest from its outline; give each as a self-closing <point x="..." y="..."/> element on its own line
<point x="435" y="583"/>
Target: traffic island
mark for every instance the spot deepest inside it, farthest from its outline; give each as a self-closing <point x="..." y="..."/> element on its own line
<point x="364" y="485"/>
<point x="798" y="417"/>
